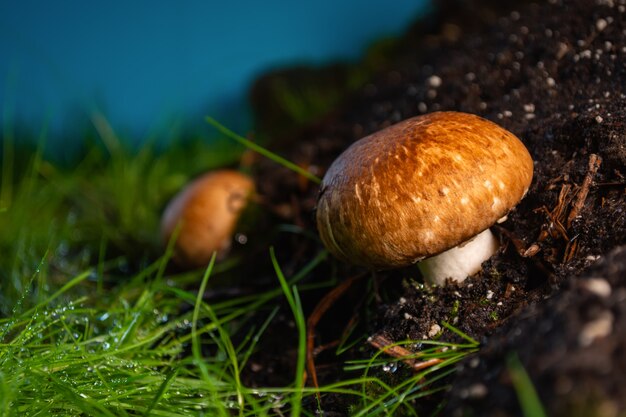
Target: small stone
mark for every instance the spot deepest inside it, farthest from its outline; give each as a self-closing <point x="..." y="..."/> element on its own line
<point x="434" y="81"/>
<point x="474" y="391"/>
<point x="596" y="329"/>
<point x="598" y="286"/>
<point x="434" y="330"/>
<point x="477" y="391"/>
<point x="601" y="24"/>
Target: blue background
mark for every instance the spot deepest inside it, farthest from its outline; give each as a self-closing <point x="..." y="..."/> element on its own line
<point x="149" y="64"/>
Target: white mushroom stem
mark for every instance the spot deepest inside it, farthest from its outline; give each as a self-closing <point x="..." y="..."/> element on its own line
<point x="461" y="261"/>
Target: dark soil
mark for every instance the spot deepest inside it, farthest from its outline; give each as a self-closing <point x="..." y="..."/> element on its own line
<point x="554" y="74"/>
<point x="573" y="345"/>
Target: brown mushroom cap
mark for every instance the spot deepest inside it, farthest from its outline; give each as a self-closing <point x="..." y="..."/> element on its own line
<point x="420" y="187"/>
<point x="207" y="210"/>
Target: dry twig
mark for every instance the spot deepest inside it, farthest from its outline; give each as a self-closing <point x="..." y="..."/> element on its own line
<point x="581" y="196"/>
<point x="396" y="351"/>
<point x="318" y="312"/>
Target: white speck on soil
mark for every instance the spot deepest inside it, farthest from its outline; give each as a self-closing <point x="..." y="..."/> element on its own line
<point x="434" y="81"/>
<point x="598" y="286"/>
<point x="474" y="362"/>
<point x="474" y="391"/>
<point x="596" y="329"/>
<point x="434" y="330"/>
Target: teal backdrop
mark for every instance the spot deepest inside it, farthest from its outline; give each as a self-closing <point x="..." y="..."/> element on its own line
<point x="147" y="65"/>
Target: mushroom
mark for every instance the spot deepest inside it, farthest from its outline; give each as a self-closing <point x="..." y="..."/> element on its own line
<point x="206" y="211"/>
<point x="424" y="190"/>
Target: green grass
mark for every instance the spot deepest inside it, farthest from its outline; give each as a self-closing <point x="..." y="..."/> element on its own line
<point x="263" y="151"/>
<point x="91" y="322"/>
<point x="529" y="400"/>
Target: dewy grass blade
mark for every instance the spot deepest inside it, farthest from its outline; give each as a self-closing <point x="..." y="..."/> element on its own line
<point x="6" y="395"/>
<point x="75" y="281"/>
<point x="458" y="332"/>
<point x="73" y="396"/>
<point x="294" y="302"/>
<point x="162" y="389"/>
<point x="195" y="341"/>
<point x="224" y="337"/>
<point x="257" y="336"/>
<point x="261" y="150"/>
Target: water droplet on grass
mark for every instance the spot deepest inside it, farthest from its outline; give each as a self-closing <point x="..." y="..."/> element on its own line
<point x="390" y="367"/>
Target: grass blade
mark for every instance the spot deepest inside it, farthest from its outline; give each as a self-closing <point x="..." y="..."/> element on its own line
<point x="261" y="150"/>
<point x="296" y="307"/>
<point x="524" y="388"/>
<point x="162" y="389"/>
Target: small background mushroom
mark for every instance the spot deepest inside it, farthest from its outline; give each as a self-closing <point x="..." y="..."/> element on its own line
<point x="205" y="214"/>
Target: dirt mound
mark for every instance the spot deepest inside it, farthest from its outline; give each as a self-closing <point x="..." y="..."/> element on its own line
<point x="554" y="74"/>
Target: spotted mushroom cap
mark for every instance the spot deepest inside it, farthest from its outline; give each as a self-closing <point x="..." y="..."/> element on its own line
<point x="207" y="210"/>
<point x="419" y="188"/>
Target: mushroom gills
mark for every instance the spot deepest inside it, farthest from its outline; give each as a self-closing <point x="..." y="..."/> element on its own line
<point x="461" y="261"/>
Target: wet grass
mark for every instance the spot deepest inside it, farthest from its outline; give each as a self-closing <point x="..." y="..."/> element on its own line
<point x="92" y="323"/>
